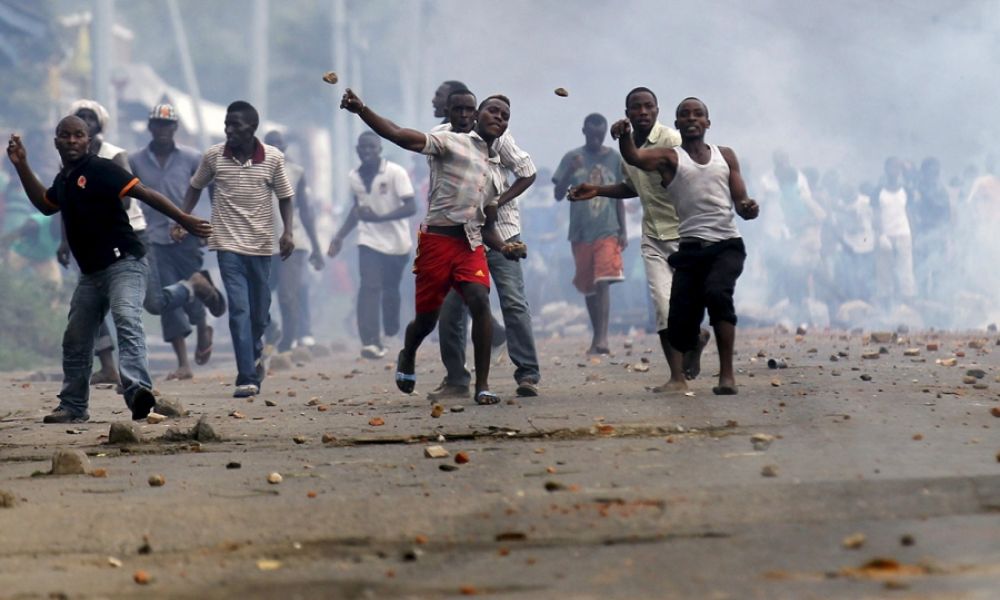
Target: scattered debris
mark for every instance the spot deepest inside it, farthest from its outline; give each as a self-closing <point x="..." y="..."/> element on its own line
<point x="436" y="411"/>
<point x="265" y="564"/>
<point x="274" y="478"/>
<point x="70" y="462"/>
<point x="155" y="418"/>
<point x="761" y="441"/>
<point x="854" y="541"/>
<point x="156" y="481"/>
<point x="123" y="432"/>
<point x="462" y="457"/>
<point x="769" y="471"/>
<point x="233" y="465"/>
<point x="376" y="421"/>
<point x="7" y="500"/>
<point x="141" y="577"/>
<point x="436" y="452"/>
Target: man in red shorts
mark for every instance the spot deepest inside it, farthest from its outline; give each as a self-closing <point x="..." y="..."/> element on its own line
<point x="596" y="228"/>
<point x="460" y="216"/>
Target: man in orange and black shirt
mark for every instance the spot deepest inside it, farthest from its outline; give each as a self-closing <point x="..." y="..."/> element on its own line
<point x="88" y="192"/>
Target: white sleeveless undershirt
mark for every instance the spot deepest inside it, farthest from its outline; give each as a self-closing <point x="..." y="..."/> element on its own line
<point x="701" y="195"/>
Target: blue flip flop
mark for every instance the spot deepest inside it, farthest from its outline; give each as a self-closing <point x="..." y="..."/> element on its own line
<point x="404" y="381"/>
<point x="486" y="397"/>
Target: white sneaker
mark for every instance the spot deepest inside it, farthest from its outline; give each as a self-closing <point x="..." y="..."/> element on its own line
<point x="307" y="340"/>
<point x="373" y="351"/>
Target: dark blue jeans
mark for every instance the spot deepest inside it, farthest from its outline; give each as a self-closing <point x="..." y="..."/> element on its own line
<point x="170" y="263"/>
<point x="119" y="288"/>
<point x="245" y="279"/>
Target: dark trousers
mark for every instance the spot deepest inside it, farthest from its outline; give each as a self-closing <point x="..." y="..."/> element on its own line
<point x="379" y="291"/>
<point x="705" y="277"/>
<point x="170" y="263"/>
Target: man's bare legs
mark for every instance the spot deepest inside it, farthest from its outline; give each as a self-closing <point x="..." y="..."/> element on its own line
<point x="420" y="327"/>
<point x="108" y="372"/>
<point x="599" y="308"/>
<point x="725" y="339"/>
<point x="183" y="366"/>
<point x="477" y="298"/>
<point x="675" y="360"/>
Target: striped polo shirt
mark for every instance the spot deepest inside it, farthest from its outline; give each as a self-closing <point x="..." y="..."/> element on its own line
<point x="243" y="217"/>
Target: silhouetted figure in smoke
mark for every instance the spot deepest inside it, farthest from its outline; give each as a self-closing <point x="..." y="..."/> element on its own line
<point x="659" y="217"/>
<point x="382" y="205"/>
<point x="288" y="277"/>
<point x="895" y="242"/>
<point x="460" y="219"/>
<point x="706" y="188"/>
<point x="597" y="229"/>
<point x="932" y="227"/>
<point x="795" y="261"/>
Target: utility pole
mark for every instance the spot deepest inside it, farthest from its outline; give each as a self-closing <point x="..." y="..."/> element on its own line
<point x="259" y="71"/>
<point x="101" y="39"/>
<point x="339" y="134"/>
<point x="187" y="65"/>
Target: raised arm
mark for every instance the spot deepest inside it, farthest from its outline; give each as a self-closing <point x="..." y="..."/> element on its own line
<point x="647" y="159"/>
<point x="744" y="206"/>
<point x="34" y="188"/>
<point x="408" y="139"/>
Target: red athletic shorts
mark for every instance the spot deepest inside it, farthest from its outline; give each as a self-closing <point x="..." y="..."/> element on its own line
<point x="597" y="261"/>
<point x="442" y="262"/>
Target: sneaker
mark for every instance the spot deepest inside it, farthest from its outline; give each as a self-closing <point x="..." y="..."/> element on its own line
<point x="205" y="290"/>
<point x="307" y="340"/>
<point x="61" y="415"/>
<point x="447" y="390"/>
<point x="373" y="351"/>
<point x="142" y="404"/>
<point x="527" y="388"/>
<point x="246" y="391"/>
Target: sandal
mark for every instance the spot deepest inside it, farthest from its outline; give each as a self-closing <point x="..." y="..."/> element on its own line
<point x="405" y="381"/>
<point x="202" y="355"/>
<point x="486" y="397"/>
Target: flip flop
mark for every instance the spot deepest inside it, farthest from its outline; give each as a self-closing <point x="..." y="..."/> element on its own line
<point x="486" y="397"/>
<point x="725" y="390"/>
<point x="202" y="355"/>
<point x="404" y="381"/>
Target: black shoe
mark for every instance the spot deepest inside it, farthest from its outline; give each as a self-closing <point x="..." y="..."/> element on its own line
<point x="143" y="402"/>
<point x="61" y="415"/>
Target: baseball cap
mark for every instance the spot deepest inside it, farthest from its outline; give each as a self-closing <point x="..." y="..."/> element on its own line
<point x="163" y="112"/>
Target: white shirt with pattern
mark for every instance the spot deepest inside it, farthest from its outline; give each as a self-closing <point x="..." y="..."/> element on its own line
<point x="388" y="188"/>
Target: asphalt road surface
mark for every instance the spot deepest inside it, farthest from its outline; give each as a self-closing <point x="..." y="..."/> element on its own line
<point x="882" y="480"/>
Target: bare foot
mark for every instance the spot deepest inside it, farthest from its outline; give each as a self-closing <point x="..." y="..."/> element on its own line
<point x="692" y="358"/>
<point x="180" y="374"/>
<point x="103" y="376"/>
<point x="726" y="387"/>
<point x="670" y="387"/>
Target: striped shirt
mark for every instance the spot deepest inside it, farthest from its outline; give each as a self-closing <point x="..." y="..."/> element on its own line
<point x="243" y="217"/>
<point x="464" y="179"/>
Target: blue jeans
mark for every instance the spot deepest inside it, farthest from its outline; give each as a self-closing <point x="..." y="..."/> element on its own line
<point x="119" y="288"/>
<point x="170" y="263"/>
<point x="245" y="279"/>
<point x="452" y="323"/>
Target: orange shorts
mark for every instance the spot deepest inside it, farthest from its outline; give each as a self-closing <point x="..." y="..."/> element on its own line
<point x="442" y="262"/>
<point x="597" y="261"/>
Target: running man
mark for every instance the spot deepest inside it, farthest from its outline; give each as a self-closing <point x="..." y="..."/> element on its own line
<point x="460" y="219"/>
<point x="705" y="186"/>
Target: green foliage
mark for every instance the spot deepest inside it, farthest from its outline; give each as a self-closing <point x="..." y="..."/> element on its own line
<point x="30" y="326"/>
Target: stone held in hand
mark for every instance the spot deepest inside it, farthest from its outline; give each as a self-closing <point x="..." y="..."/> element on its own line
<point x="70" y="462"/>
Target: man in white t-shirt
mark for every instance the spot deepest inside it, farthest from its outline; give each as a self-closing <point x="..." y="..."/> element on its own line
<point x="383" y="204"/>
<point x="895" y="241"/>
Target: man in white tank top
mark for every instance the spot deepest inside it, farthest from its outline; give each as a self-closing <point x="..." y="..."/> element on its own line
<point x="705" y="186"/>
